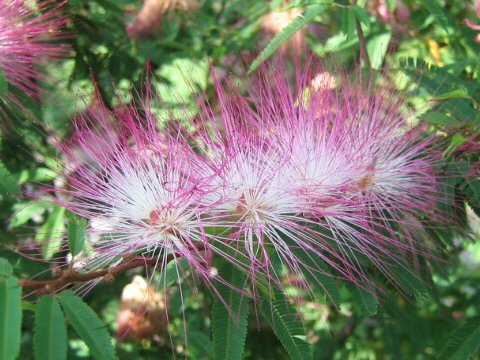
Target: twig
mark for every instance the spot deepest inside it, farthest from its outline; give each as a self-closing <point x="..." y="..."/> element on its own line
<point x="361" y="40"/>
<point x="70" y="276"/>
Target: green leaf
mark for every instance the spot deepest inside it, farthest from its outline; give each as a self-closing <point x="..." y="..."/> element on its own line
<point x="76" y="234"/>
<point x="287" y="325"/>
<point x="437" y="118"/>
<point x="335" y="43"/>
<point x="453" y="94"/>
<point x="362" y="15"/>
<point x="392" y="5"/>
<point x="3" y="84"/>
<point x="411" y="283"/>
<point x="377" y="46"/>
<point x="8" y="184"/>
<point x="364" y="301"/>
<point x="229" y="317"/>
<point x="464" y="341"/>
<point x="312" y="267"/>
<point x="24" y="211"/>
<point x="456" y="141"/>
<point x="88" y="326"/>
<point x="172" y="271"/>
<point x="199" y="345"/>
<point x="298" y="23"/>
<point x="40" y="174"/>
<point x="50" y="233"/>
<point x="5" y="268"/>
<point x="472" y="191"/>
<point x="437" y="12"/>
<point x="316" y="272"/>
<point x="391" y="340"/>
<point x="50" y="338"/>
<point x="28" y="306"/>
<point x="10" y="318"/>
<point x="348" y="23"/>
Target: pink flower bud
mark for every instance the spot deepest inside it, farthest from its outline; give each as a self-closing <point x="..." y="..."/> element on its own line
<point x="401" y="12"/>
<point x="384" y="12"/>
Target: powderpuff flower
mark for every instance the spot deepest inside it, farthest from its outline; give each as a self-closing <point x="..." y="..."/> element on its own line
<point x="381" y="9"/>
<point x="26" y="35"/>
<point x="142" y="191"/>
<point x="255" y="200"/>
<point x="138" y="196"/>
<point x="330" y="177"/>
<point x="148" y="21"/>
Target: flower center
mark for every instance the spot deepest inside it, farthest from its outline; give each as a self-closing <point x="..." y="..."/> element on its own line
<point x="251" y="208"/>
<point x="166" y="221"/>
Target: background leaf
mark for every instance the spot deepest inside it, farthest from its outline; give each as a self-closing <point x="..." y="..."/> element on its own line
<point x="76" y="234"/>
<point x="3" y="84"/>
<point x="10" y="318"/>
<point x="362" y="15"/>
<point x="229" y="317"/>
<point x="464" y="341"/>
<point x="364" y="301"/>
<point x="377" y="46"/>
<point x="437" y="118"/>
<point x="290" y="30"/>
<point x="287" y="325"/>
<point x="8" y="184"/>
<point x="5" y="268"/>
<point x="50" y="234"/>
<point x="437" y="12"/>
<point x="88" y="326"/>
<point x="50" y="337"/>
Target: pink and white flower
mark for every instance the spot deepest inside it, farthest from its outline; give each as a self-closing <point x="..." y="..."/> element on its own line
<point x="337" y="172"/>
<point x="27" y="36"/>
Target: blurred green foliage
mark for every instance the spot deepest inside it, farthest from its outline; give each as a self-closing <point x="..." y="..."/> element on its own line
<point x="429" y="50"/>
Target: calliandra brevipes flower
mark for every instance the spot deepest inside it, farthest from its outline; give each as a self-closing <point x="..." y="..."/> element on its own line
<point x="27" y="35"/>
<point x="140" y="197"/>
<point x="322" y="174"/>
<point x="253" y="198"/>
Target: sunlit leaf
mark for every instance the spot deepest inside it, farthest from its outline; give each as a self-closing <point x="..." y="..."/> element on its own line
<point x="456" y="141"/>
<point x="377" y="47"/>
<point x="50" y="234"/>
<point x="76" y="234"/>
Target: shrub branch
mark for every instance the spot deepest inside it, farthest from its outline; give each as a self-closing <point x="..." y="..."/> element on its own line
<point x="70" y="276"/>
